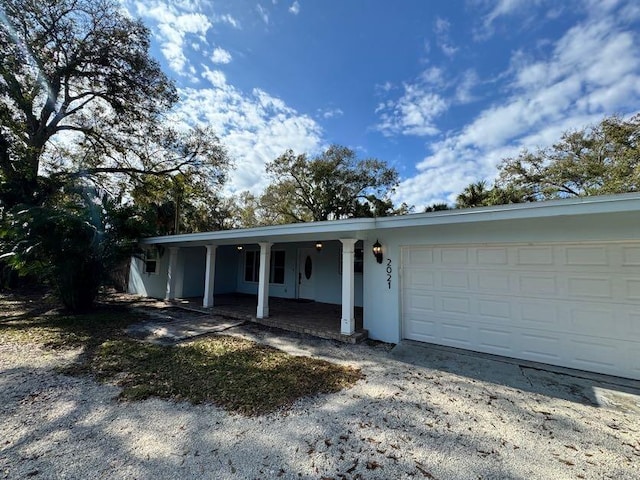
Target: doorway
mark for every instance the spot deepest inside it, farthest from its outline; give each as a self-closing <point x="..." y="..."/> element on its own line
<point x="306" y="273"/>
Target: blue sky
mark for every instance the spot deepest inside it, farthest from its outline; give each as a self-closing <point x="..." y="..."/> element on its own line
<point x="441" y="90"/>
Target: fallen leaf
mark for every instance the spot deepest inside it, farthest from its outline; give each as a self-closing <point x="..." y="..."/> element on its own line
<point x="424" y="472"/>
<point x="372" y="465"/>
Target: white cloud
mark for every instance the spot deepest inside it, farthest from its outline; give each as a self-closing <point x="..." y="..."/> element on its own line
<point x="385" y="87"/>
<point x="215" y="77"/>
<point x="506" y="7"/>
<point x="264" y="15"/>
<point x="423" y="101"/>
<point x="465" y="86"/>
<point x="255" y="128"/>
<point x="503" y="8"/>
<point x="441" y="30"/>
<point x="173" y="26"/>
<point x="330" y="113"/>
<point x="295" y="8"/>
<point x="220" y="55"/>
<point x="592" y="71"/>
<point x="228" y="19"/>
<point x="414" y="113"/>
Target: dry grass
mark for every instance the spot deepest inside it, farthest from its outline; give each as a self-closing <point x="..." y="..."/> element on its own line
<point x="237" y="374"/>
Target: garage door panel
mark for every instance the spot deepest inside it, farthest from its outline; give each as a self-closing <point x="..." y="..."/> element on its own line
<point x="534" y="256"/>
<point x="419" y="256"/>
<point x="589" y="321"/>
<point x="419" y="303"/>
<point x="592" y="353"/>
<point x="538" y="314"/>
<point x="631" y="256"/>
<point x="455" y="280"/>
<point x="633" y="326"/>
<point x="575" y="305"/>
<point x="454" y="256"/>
<point x="581" y="256"/>
<point x="496" y="309"/>
<point x="589" y="287"/>
<point x="419" y="326"/>
<point x="538" y="285"/>
<point x="631" y="289"/>
<point x="420" y="278"/>
<point x="540" y="346"/>
<point x="492" y="256"/>
<point x="632" y="363"/>
<point x="455" y="305"/>
<point x="494" y="281"/>
<point x="456" y="333"/>
<point x="493" y="340"/>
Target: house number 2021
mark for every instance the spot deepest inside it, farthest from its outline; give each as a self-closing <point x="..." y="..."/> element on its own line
<point x="389" y="271"/>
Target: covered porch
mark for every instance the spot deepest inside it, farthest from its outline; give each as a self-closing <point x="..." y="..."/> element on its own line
<point x="312" y="318"/>
<point x="307" y="278"/>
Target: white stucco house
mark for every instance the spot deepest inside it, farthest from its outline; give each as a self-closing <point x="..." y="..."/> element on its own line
<point x="555" y="282"/>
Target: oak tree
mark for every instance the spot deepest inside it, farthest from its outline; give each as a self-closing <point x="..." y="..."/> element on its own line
<point x="332" y="185"/>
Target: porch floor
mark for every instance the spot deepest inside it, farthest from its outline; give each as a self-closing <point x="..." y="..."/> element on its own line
<point x="313" y="318"/>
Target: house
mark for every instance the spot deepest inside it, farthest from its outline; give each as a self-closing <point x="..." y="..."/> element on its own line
<point x="556" y="282"/>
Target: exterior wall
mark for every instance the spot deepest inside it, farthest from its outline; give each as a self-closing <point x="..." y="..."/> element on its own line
<point x="226" y="269"/>
<point x="382" y="311"/>
<point x="286" y="290"/>
<point x="326" y="270"/>
<point x="192" y="260"/>
<point x="147" y="284"/>
<point x="329" y="278"/>
<point x="229" y="275"/>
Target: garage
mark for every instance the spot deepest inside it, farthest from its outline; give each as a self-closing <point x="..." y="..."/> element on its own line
<point x="575" y="305"/>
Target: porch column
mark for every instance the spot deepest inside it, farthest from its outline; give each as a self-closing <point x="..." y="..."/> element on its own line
<point x="348" y="322"/>
<point x="172" y="273"/>
<point x="209" y="276"/>
<point x="263" y="280"/>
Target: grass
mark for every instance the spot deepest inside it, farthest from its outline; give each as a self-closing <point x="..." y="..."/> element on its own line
<point x="239" y="375"/>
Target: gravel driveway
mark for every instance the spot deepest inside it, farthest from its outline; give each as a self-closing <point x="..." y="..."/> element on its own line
<point x="445" y="419"/>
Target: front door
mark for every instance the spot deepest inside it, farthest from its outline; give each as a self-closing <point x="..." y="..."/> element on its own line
<point x="306" y="273"/>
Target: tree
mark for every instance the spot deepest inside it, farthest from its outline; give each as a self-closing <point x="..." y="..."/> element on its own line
<point x="474" y="195"/>
<point x="82" y="109"/>
<point x="246" y="211"/>
<point x="478" y="195"/>
<point x="601" y="159"/>
<point x="436" y="207"/>
<point x="182" y="203"/>
<point x="79" y="72"/>
<point x="332" y="185"/>
<point x="73" y="241"/>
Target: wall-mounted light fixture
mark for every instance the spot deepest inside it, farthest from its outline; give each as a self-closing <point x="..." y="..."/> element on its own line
<point x="319" y="246"/>
<point x="239" y="247"/>
<point x="377" y="251"/>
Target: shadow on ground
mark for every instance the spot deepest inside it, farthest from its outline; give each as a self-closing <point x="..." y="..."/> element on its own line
<point x="573" y="385"/>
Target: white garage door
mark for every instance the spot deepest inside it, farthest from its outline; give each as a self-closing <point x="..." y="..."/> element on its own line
<point x="574" y="305"/>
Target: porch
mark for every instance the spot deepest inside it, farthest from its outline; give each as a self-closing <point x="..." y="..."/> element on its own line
<point x="309" y="317"/>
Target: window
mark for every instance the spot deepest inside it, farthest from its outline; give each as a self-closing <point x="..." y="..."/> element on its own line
<point x="276" y="275"/>
<point x="252" y="266"/>
<point x="358" y="261"/>
<point x="151" y="261"/>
